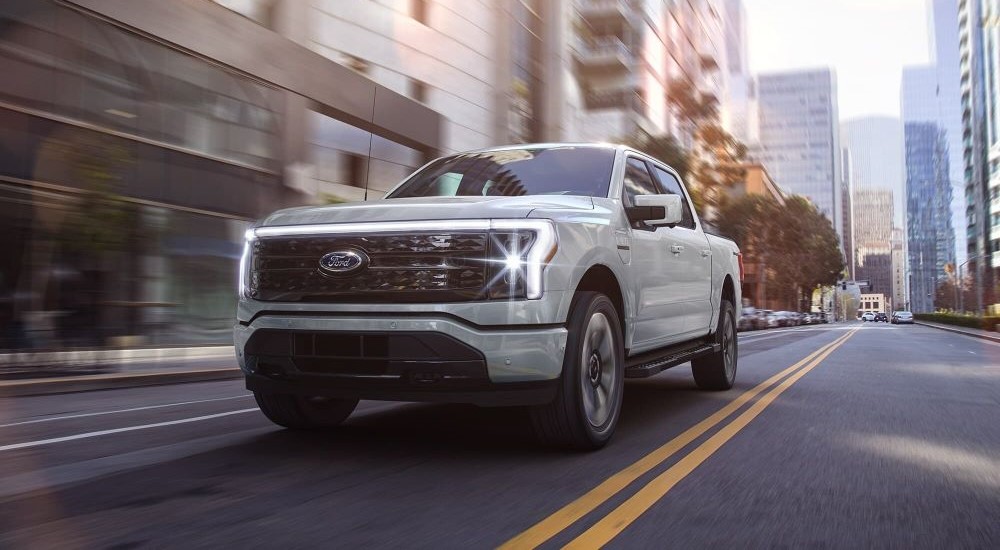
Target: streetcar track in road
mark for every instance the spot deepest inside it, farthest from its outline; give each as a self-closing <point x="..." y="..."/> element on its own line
<point x="569" y="514"/>
<point x="118" y="411"/>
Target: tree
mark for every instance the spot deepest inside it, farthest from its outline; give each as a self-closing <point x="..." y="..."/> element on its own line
<point x="663" y="148"/>
<point x="792" y="245"/>
<point x="716" y="161"/>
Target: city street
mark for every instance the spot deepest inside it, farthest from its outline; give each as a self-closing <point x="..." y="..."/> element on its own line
<point x="845" y="435"/>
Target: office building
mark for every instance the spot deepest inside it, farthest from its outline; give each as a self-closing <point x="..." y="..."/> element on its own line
<point x="875" y="148"/>
<point x="930" y="238"/>
<point x="628" y="52"/>
<point x="847" y="212"/>
<point x="873" y="213"/>
<point x="945" y="59"/>
<point x="799" y="137"/>
<point x="139" y="143"/>
<point x="900" y="289"/>
<point x="979" y="51"/>
<point x="738" y="105"/>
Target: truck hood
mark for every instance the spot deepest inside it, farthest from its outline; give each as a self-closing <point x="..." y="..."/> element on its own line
<point x="427" y="208"/>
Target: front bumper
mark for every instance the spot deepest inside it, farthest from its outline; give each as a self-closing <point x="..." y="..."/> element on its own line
<point x="426" y="357"/>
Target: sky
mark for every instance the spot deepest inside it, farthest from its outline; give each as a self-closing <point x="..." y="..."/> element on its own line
<point x="867" y="42"/>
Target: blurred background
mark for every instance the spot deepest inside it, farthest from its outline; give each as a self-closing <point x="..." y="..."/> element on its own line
<point x="139" y="139"/>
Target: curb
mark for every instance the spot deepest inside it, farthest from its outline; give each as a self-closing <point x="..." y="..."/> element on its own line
<point x="983" y="336"/>
<point x="70" y="384"/>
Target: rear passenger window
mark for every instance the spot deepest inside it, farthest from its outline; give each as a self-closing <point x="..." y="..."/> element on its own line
<point x="637" y="181"/>
<point x="672" y="186"/>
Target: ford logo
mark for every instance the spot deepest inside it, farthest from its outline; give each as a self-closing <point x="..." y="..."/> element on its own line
<point x="343" y="262"/>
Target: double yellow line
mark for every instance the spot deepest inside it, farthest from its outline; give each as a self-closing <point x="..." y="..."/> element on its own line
<point x="621" y="517"/>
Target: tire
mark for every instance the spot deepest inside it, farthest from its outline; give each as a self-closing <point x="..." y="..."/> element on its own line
<point x="588" y="402"/>
<point x="304" y="413"/>
<point x="717" y="372"/>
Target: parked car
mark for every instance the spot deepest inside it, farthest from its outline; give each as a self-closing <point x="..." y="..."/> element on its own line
<point x="774" y="319"/>
<point x="538" y="275"/>
<point x="902" y="317"/>
<point x="868" y="316"/>
<point x="881" y="317"/>
<point x="752" y="319"/>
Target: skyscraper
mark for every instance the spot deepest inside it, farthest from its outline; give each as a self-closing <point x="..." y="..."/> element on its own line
<point x="945" y="58"/>
<point x="875" y="146"/>
<point x="979" y="43"/>
<point x="736" y="107"/>
<point x="627" y="53"/>
<point x="799" y="136"/>
<point x="873" y="213"/>
<point x="930" y="238"/>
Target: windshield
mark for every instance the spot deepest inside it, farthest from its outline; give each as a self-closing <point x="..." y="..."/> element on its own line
<point x="514" y="172"/>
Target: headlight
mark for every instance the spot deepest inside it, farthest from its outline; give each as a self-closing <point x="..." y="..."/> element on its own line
<point x="519" y="251"/>
<point x="246" y="263"/>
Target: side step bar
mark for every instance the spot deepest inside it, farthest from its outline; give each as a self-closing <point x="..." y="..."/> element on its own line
<point x="644" y="366"/>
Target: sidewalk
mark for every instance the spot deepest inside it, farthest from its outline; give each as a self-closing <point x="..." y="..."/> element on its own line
<point x="977" y="333"/>
<point x="38" y="373"/>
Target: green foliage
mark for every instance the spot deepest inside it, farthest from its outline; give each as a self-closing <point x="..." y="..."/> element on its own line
<point x="956" y="319"/>
<point x="795" y="246"/>
<point x="716" y="162"/>
<point x="663" y="148"/>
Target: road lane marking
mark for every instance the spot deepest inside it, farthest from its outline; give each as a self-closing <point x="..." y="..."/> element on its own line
<point x="588" y="502"/>
<point x="621" y="517"/>
<point x="133" y="409"/>
<point x="86" y="435"/>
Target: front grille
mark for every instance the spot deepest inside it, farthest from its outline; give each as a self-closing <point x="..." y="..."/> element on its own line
<point x="423" y="267"/>
<point x="409" y="357"/>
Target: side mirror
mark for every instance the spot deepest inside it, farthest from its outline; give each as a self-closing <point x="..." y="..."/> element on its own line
<point x="657" y="209"/>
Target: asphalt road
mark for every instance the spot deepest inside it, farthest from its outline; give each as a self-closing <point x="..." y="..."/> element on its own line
<point x="841" y="436"/>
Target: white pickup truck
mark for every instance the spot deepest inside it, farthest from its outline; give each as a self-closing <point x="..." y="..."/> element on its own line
<point x="531" y="275"/>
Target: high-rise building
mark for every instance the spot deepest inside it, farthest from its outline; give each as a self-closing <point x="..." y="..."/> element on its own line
<point x="737" y="106"/>
<point x="930" y="238"/>
<point x="799" y="137"/>
<point x="628" y="53"/>
<point x="847" y="211"/>
<point x="979" y="50"/>
<point x="875" y="148"/>
<point x="151" y="137"/>
<point x="900" y="290"/>
<point x="873" y="214"/>
<point x="494" y="71"/>
<point x="945" y="60"/>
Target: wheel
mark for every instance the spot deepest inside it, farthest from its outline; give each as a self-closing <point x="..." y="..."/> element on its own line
<point x="717" y="371"/>
<point x="304" y="413"/>
<point x="587" y="405"/>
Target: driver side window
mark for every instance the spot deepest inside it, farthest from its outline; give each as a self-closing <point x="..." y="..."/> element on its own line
<point x="672" y="186"/>
<point x="638" y="181"/>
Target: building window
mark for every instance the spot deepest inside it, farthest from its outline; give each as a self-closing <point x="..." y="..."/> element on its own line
<point x="419" y="10"/>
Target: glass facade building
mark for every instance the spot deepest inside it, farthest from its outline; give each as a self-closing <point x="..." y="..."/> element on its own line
<point x="979" y="57"/>
<point x="930" y="238"/>
<point x="799" y="137"/>
<point x="875" y="147"/>
<point x="130" y="168"/>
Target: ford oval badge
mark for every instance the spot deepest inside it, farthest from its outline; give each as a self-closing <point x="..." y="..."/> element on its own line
<point x="342" y="262"/>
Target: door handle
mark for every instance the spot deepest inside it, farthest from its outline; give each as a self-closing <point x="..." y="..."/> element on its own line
<point x="677" y="248"/>
<point x="706" y="253"/>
